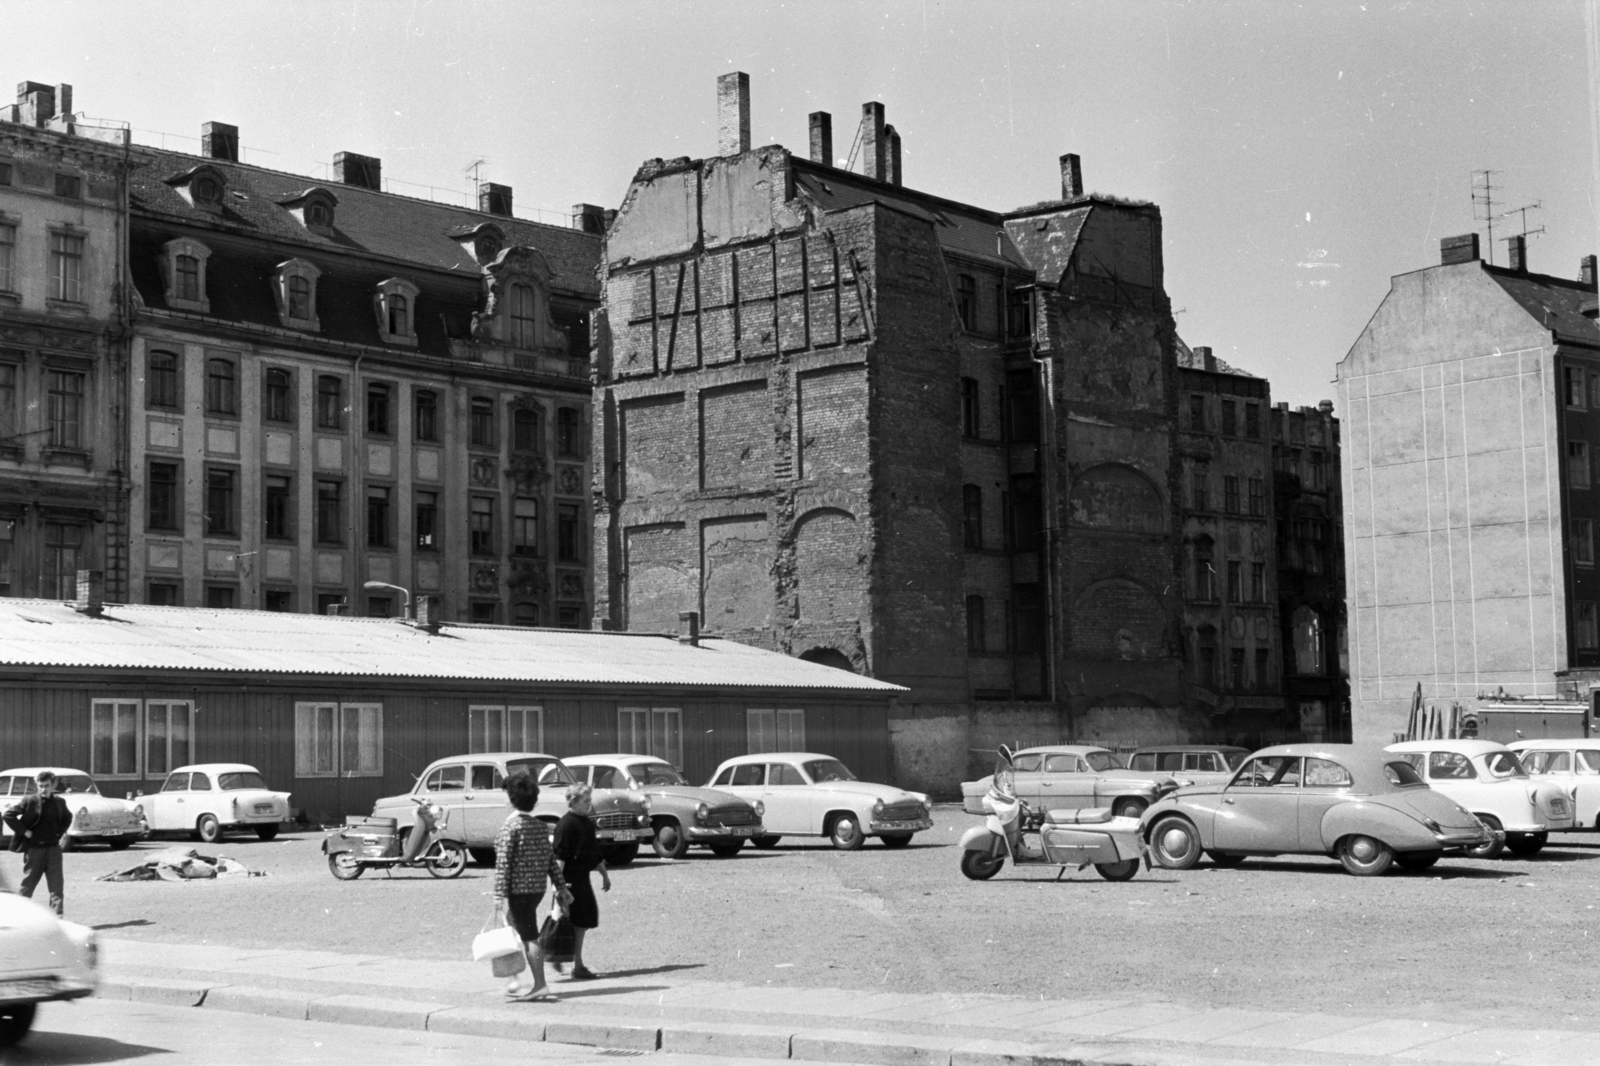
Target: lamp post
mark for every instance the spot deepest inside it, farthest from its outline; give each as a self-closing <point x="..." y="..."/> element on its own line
<point x="385" y="585"/>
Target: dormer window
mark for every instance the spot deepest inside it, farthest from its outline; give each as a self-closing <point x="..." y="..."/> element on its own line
<point x="183" y="267"/>
<point x="207" y="190"/>
<point x="522" y="316"/>
<point x="295" y="288"/>
<point x="201" y="186"/>
<point x="314" y="209"/>
<point x="484" y="242"/>
<point x="518" y="306"/>
<point x="395" y="304"/>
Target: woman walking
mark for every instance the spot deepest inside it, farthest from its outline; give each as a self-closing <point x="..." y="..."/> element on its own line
<point x="523" y="861"/>
<point x="579" y="850"/>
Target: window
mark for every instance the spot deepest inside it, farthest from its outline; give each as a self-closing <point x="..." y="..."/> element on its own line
<point x="1235" y="582"/>
<point x="972" y="516"/>
<point x="1230" y="424"/>
<point x="1020" y="313"/>
<point x="569" y="542"/>
<point x="114" y="738"/>
<point x="7" y="533"/>
<point x="1022" y="391"/>
<point x="967" y="301"/>
<point x="69" y="186"/>
<point x="66" y="267"/>
<point x="1575" y="387"/>
<point x="206" y="190"/>
<point x="1258" y="498"/>
<point x="8" y="248"/>
<point x="63" y="543"/>
<point x="427" y="521"/>
<point x="330" y="512"/>
<point x="569" y="432"/>
<point x="330" y="402"/>
<point x="295" y="289"/>
<point x="1205" y="577"/>
<point x="1263" y="669"/>
<point x="161" y="380"/>
<point x="1199" y="495"/>
<point x="163" y="594"/>
<point x="399" y="315"/>
<point x="1252" y="420"/>
<point x="484" y="612"/>
<point x="1583" y="542"/>
<point x="1208" y="656"/>
<point x="1197" y="413"/>
<point x="8" y="403"/>
<point x="656" y="731"/>
<point x="1306" y="626"/>
<point x="1450" y="766"/>
<point x="277" y="501"/>
<point x="1027" y="619"/>
<point x="969" y="407"/>
<point x="395" y="304"/>
<point x="163" y="496"/>
<point x="278" y="403"/>
<point x="338" y="740"/>
<point x="1026" y="516"/>
<point x="480" y="526"/>
<point x="524" y="332"/>
<point x="525" y="527"/>
<point x="222" y="505"/>
<point x="220" y="596"/>
<point x="1594" y="390"/>
<point x="1577" y="464"/>
<point x="1586" y="626"/>
<point x="525" y="614"/>
<point x="569" y="616"/>
<point x="775" y="730"/>
<point x="331" y="603"/>
<point x="481" y="425"/>
<point x="1258" y="582"/>
<point x="222" y="387"/>
<point x="1236" y="669"/>
<point x="299" y="298"/>
<point x="380" y="606"/>
<point x="426" y="425"/>
<point x="187" y="278"/>
<point x="378" y="410"/>
<point x="975" y="626"/>
<point x="1230" y="494"/>
<point x="1320" y="773"/>
<point x="491" y="727"/>
<point x="5" y="173"/>
<point x="1319" y="470"/>
<point x="279" y="600"/>
<point x="66" y="408"/>
<point x="525" y="429"/>
<point x="378" y="534"/>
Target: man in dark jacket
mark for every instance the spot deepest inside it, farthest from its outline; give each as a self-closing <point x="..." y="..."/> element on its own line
<point x="39" y="822"/>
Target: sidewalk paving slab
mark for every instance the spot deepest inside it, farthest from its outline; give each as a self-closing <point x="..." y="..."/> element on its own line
<point x="1488" y="1045"/>
<point x="487" y="1021"/>
<point x="172" y="993"/>
<point x="1207" y="1025"/>
<point x="269" y="1001"/>
<point x="373" y="1010"/>
<point x="1293" y="1032"/>
<point x="1011" y="1053"/>
<point x="1025" y="1014"/>
<point x="849" y="1045"/>
<point x="936" y="1005"/>
<point x="1583" y="1050"/>
<point x="1117" y="1020"/>
<point x="738" y="1041"/>
<point x="1384" y="1037"/>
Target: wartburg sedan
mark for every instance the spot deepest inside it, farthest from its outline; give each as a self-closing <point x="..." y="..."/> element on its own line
<point x="813" y="795"/>
<point x="1572" y="764"/>
<point x="1488" y="780"/>
<point x="682" y="815"/>
<point x="1370" y="809"/>
<point x="1058" y="776"/>
<point x="208" y="799"/>
<point x="95" y="818"/>
<point x="42" y="959"/>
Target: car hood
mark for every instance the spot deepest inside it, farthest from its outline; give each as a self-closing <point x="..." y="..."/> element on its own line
<point x="1426" y="803"/>
<point x="609" y="800"/>
<point x="695" y="794"/>
<point x="887" y="793"/>
<point x="32" y="941"/>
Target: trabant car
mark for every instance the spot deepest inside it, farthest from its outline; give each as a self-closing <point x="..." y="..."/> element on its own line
<point x="42" y="959"/>
<point x="471" y="789"/>
<point x="206" y="800"/>
<point x="95" y="818"/>
<point x="1055" y="776"/>
<point x="682" y="815"/>
<point x="1487" y="779"/>
<point x="1369" y="808"/>
<point x="1573" y="763"/>
<point x="1197" y="764"/>
<point x="807" y="794"/>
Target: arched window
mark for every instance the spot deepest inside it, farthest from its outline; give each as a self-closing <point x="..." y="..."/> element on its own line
<point x="522" y="316"/>
<point x="278" y="403"/>
<point x="299" y="297"/>
<point x="976" y="642"/>
<point x="222" y="387"/>
<point x="972" y="516"/>
<point x="1205" y="574"/>
<point x="480" y="424"/>
<point x="399" y="315"/>
<point x="188" y="286"/>
<point x="1306" y="626"/>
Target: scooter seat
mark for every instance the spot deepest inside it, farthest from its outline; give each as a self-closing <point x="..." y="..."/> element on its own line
<point x="1079" y="816"/>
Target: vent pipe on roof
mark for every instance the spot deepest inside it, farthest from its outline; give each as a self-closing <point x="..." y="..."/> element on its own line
<point x="822" y="138"/>
<point x="733" y="113"/>
<point x="1071" y="176"/>
<point x="91" y="593"/>
<point x="691" y="629"/>
<point x="218" y="140"/>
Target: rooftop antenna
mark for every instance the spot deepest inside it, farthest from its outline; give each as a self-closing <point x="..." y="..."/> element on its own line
<point x="474" y="170"/>
<point x="1537" y="205"/>
<point x="1483" y="203"/>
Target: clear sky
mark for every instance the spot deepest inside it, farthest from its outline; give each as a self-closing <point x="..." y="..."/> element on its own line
<point x="1301" y="154"/>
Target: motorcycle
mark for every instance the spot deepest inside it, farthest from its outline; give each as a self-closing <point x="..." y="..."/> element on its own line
<point x="1062" y="838"/>
<point x="375" y="844"/>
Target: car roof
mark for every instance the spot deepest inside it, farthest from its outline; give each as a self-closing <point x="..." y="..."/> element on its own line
<point x="492" y="756"/>
<point x="1586" y="743"/>
<point x="589" y="760"/>
<point x="33" y="771"/>
<point x="770" y="756"/>
<point x="1464" y="746"/>
<point x="1060" y="749"/>
<point x="1157" y="748"/>
<point x="1364" y="761"/>
<point x="215" y="768"/>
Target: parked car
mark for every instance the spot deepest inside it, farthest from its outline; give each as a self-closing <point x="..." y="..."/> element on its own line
<point x="208" y="799"/>
<point x="1368" y="808"/>
<point x="1055" y="776"/>
<point x="42" y="959"/>
<point x="807" y="794"/>
<point x="471" y="789"/>
<point x="1198" y="764"/>
<point x="681" y="815"/>
<point x="1573" y="763"/>
<point x="1487" y="779"/>
<point x="95" y="818"/>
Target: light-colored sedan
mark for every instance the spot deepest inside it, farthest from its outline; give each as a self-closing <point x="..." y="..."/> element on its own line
<point x="95" y="818"/>
<point x="807" y="794"/>
<point x="682" y="815"/>
<point x="1487" y="779"/>
<point x="42" y="958"/>
<point x="1195" y="764"/>
<point x="1057" y="776"/>
<point x="1573" y="764"/>
<point x="208" y="799"/>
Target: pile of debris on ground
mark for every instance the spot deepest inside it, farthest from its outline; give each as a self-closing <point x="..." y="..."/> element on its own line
<point x="182" y="864"/>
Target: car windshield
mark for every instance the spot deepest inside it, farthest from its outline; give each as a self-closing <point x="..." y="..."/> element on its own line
<point x="544" y="771"/>
<point x="655" y="773"/>
<point x="238" y="780"/>
<point x="1401" y="773"/>
<point x="79" y="783"/>
<point x="1103" y="760"/>
<point x="1503" y="764"/>
<point x="1236" y="759"/>
<point x="828" y="770"/>
<point x="1547" y="762"/>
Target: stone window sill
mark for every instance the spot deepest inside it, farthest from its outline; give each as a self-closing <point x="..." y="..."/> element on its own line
<point x="67" y="307"/>
<point x="75" y="456"/>
<point x="202" y="307"/>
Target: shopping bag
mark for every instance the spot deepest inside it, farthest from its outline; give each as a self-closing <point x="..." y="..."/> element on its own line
<point x="556" y="937"/>
<point x="493" y="943"/>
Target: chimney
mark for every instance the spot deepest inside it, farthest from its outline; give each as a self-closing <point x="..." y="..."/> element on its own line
<point x="91" y="592"/>
<point x="1325" y="406"/>
<point x="589" y="218"/>
<point x="691" y="631"/>
<point x="36" y="102"/>
<point x="822" y="138"/>
<point x="1071" y="176"/>
<point x="873" y="147"/>
<point x="430" y="612"/>
<point x="341" y="608"/>
<point x="611" y="216"/>
<point x="1586" y="271"/>
<point x="362" y="171"/>
<point x="218" y="140"/>
<point x="494" y="199"/>
<point x="733" y="113"/>
<point x="1207" y="360"/>
<point x="894" y="154"/>
<point x="1462" y="249"/>
<point x="1517" y="249"/>
<point x="63" y="101"/>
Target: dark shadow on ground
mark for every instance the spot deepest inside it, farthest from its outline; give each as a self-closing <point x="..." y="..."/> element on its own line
<point x="45" y="1047"/>
<point x="130" y="923"/>
<point x="568" y="990"/>
<point x="648" y="970"/>
<point x="1442" y="870"/>
<point x="1549" y="854"/>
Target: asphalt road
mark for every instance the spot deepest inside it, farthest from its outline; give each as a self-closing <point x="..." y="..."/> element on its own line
<point x="1485" y="942"/>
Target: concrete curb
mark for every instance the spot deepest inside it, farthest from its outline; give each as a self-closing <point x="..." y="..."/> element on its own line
<point x="373" y="1010"/>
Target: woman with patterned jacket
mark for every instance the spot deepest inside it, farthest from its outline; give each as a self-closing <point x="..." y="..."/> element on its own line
<point x="523" y="862"/>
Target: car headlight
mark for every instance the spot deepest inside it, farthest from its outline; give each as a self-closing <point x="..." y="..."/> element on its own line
<point x="761" y="809"/>
<point x="642" y="819"/>
<point x="138" y="812"/>
<point x="83" y="816"/>
<point x="644" y="801"/>
<point x="877" y="809"/>
<point x="702" y="812"/>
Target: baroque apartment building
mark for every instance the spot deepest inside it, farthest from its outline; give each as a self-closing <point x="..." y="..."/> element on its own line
<point x="333" y="385"/>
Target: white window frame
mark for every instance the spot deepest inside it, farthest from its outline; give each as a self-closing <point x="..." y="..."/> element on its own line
<point x="8" y="255"/>
<point x="296" y="268"/>
<point x="381" y="298"/>
<point x="775" y="729"/>
<point x="142" y="711"/>
<point x="656" y="731"/>
<point x="169" y="272"/>
<point x="505" y="727"/>
<point x="136" y="707"/>
<point x="171" y="710"/>
<point x="330" y="759"/>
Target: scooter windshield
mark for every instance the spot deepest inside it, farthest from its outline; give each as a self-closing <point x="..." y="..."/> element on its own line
<point x="1004" y="777"/>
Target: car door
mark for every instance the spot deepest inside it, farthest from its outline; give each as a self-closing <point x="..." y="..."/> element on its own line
<point x="484" y="805"/>
<point x="1452" y="774"/>
<point x="1326" y="785"/>
<point x="789" y="795"/>
<point x="164" y="809"/>
<point x="748" y="781"/>
<point x="201" y="798"/>
<point x="1065" y="782"/>
<point x="451" y="794"/>
<point x="1585" y="787"/>
<point x="1260" y="807"/>
<point x="1026" y="775"/>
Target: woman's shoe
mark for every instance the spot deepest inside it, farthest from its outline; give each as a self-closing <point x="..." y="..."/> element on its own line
<point x="582" y="973"/>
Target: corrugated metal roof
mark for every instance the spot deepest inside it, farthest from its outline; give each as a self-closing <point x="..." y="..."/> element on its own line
<point x="47" y="633"/>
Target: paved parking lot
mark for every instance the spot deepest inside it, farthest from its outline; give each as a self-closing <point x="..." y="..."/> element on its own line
<point x="1480" y="942"/>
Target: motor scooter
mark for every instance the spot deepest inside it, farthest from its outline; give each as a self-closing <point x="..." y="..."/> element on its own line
<point x="1061" y="838"/>
<point x="374" y="844"/>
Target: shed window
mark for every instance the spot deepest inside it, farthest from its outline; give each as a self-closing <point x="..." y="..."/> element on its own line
<point x="114" y="738"/>
<point x="775" y="730"/>
<point x="168" y="736"/>
<point x="654" y="731"/>
<point x="338" y="740"/>
<point x="497" y="727"/>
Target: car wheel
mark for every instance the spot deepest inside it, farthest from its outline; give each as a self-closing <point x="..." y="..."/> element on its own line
<point x="845" y="832"/>
<point x="1365" y="856"/>
<point x="621" y="854"/>
<point x="979" y="866"/>
<point x="766" y="843"/>
<point x="482" y="856"/>
<point x="451" y="860"/>
<point x="1223" y="858"/>
<point x="15" y="1021"/>
<point x="267" y="832"/>
<point x="1117" y="871"/>
<point x="1526" y="843"/>
<point x="727" y="851"/>
<point x="1175" y="842"/>
<point x="208" y="830"/>
<point x="120" y="843"/>
<point x="1418" y="860"/>
<point x="343" y="865"/>
<point x="1495" y="846"/>
<point x="1129" y="807"/>
<point x="671" y="842"/>
<point x="896" y="840"/>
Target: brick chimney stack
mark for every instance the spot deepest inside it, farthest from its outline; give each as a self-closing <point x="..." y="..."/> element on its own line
<point x="36" y="103"/>
<point x="894" y="154"/>
<point x="874" y="146"/>
<point x="690" y="634"/>
<point x="362" y="171"/>
<point x="822" y="138"/>
<point x="1207" y="360"/>
<point x="91" y="592"/>
<point x="494" y="199"/>
<point x="1517" y="250"/>
<point x="733" y="113"/>
<point x="1586" y="272"/>
<point x="1071" y="176"/>
<point x="219" y="140"/>
<point x="1462" y="249"/>
<point x="589" y="218"/>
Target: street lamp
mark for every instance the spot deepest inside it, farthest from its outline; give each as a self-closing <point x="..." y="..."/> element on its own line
<point x="385" y="585"/>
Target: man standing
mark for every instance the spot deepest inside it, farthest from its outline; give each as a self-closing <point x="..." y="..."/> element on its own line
<point x="39" y="822"/>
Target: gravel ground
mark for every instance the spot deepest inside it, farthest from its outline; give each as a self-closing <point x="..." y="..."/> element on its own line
<point x="1485" y="942"/>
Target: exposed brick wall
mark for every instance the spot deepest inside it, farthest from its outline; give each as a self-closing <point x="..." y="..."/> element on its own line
<point x="735" y="565"/>
<point x="830" y="570"/>
<point x="656" y="445"/>
<point x="735" y="436"/>
<point x="832" y="417"/>
<point x="661" y="582"/>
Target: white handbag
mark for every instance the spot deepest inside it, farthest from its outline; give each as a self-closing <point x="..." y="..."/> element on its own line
<point x="496" y="942"/>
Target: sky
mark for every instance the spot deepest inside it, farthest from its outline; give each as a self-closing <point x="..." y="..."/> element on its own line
<point x="1301" y="154"/>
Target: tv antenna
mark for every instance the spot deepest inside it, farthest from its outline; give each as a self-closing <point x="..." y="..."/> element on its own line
<point x="1483" y="203"/>
<point x="1537" y="205"/>
<point x="475" y="170"/>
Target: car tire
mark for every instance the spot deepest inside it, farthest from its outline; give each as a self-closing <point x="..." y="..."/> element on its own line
<point x="208" y="830"/>
<point x="1365" y="856"/>
<point x="1224" y="858"/>
<point x="267" y="832"/>
<point x="621" y="854"/>
<point x="450" y="862"/>
<point x="15" y="1021"/>
<point x="670" y="842"/>
<point x="120" y="843"/>
<point x="343" y="865"/>
<point x="845" y="832"/>
<point x="1417" y="861"/>
<point x="727" y="851"/>
<point x="766" y="843"/>
<point x="896" y="840"/>
<point x="1117" y="871"/>
<point x="1129" y="807"/>
<point x="1492" y="849"/>
<point x="482" y="856"/>
<point x="978" y="866"/>
<point x="1174" y="842"/>
<point x="1526" y="844"/>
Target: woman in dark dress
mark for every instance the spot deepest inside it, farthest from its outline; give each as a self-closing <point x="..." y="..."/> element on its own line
<point x="579" y="851"/>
